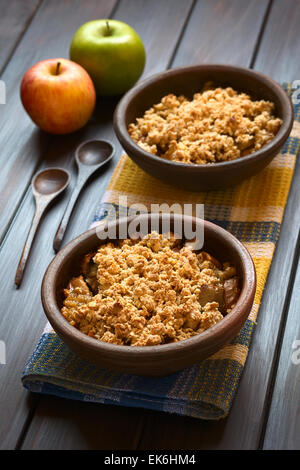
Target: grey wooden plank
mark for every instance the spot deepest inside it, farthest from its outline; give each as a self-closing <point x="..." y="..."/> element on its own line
<point x="221" y="31"/>
<point x="283" y="427"/>
<point x="279" y="51"/>
<point x="23" y="306"/>
<point x="15" y="17"/>
<point x="64" y="424"/>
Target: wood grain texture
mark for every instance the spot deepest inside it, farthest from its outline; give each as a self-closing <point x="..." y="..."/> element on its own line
<point x="278" y="54"/>
<point x="15" y="17"/>
<point x="65" y="425"/>
<point x="285" y="405"/>
<point x="24" y="307"/>
<point x="221" y="31"/>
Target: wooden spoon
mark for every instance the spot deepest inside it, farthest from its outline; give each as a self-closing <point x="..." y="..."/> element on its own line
<point x="46" y="186"/>
<point x="89" y="156"/>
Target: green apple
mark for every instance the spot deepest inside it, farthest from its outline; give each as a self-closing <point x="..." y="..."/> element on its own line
<point x="111" y="52"/>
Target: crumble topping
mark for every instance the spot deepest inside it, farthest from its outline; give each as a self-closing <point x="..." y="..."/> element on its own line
<point x="218" y="124"/>
<point x="149" y="291"/>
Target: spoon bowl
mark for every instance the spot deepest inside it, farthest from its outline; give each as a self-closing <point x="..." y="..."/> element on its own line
<point x="49" y="181"/>
<point x="94" y="152"/>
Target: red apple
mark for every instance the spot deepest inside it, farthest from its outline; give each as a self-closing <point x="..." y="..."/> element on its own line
<point x="58" y="95"/>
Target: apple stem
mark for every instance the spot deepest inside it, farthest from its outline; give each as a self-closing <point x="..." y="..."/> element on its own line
<point x="57" y="68"/>
<point x="108" y="28"/>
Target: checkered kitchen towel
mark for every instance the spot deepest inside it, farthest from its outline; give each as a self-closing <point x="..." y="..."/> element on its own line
<point x="252" y="212"/>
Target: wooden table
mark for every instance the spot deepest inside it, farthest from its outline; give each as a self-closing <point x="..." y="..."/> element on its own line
<point x="262" y="34"/>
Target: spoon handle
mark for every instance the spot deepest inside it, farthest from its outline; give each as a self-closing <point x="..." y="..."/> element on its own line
<point x="67" y="214"/>
<point x="39" y="210"/>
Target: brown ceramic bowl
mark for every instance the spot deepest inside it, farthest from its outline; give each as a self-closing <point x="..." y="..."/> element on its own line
<point x="188" y="81"/>
<point x="149" y="360"/>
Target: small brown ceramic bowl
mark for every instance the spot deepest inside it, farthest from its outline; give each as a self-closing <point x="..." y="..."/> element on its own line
<point x="187" y="81"/>
<point x="149" y="360"/>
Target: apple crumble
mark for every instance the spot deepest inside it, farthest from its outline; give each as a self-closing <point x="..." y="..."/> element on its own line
<point x="149" y="291"/>
<point x="217" y="125"/>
